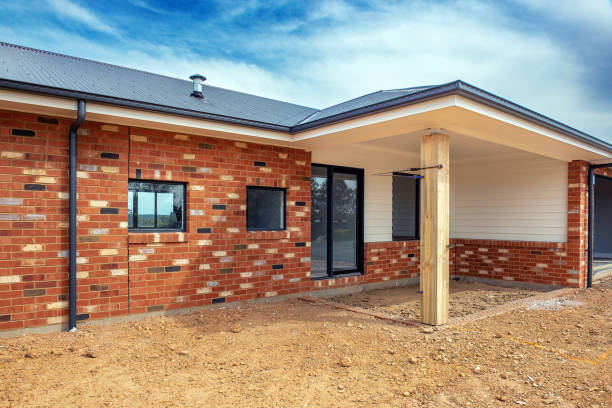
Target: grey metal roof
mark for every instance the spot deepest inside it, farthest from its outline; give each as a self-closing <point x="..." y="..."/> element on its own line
<point x="363" y="101"/>
<point x="39" y="71"/>
<point x="31" y="66"/>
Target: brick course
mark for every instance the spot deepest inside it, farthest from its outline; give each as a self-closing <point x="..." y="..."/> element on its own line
<point x="216" y="259"/>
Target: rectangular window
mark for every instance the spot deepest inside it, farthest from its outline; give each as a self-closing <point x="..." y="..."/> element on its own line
<point x="336" y="221"/>
<point x="156" y="206"/>
<point x="265" y="208"/>
<point x="405" y="207"/>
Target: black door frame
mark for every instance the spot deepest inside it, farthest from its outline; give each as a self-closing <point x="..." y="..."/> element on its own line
<point x="597" y="176"/>
<point x="331" y="169"/>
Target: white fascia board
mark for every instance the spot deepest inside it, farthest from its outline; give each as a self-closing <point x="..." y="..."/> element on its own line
<point x="527" y="125"/>
<point x="375" y="118"/>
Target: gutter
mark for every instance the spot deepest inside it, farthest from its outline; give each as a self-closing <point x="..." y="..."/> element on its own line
<point x="126" y="103"/>
<point x="591" y="215"/>
<point x="452" y="88"/>
<point x="72" y="216"/>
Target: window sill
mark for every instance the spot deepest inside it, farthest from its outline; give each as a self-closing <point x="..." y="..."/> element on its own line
<point x="156" y="237"/>
<point x="267" y="235"/>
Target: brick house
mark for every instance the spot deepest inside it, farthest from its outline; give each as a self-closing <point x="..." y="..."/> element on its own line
<point x="189" y="195"/>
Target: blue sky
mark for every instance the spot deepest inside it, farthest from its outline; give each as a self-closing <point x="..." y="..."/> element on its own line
<point x="551" y="56"/>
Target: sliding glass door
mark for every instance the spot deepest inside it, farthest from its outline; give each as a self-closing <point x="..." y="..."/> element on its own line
<point x="337" y="221"/>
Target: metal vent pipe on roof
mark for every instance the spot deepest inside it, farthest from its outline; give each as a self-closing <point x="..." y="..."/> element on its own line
<point x="198" y="80"/>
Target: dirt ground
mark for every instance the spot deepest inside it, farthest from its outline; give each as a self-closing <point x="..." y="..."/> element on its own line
<point x="296" y="354"/>
<point x="465" y="298"/>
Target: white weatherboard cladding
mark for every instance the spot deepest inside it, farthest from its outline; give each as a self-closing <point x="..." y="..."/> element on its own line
<point x="520" y="197"/>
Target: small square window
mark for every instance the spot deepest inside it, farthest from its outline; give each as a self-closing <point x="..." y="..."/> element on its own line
<point x="156" y="206"/>
<point x="265" y="208"/>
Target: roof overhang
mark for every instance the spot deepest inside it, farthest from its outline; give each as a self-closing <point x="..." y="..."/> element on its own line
<point x="456" y="108"/>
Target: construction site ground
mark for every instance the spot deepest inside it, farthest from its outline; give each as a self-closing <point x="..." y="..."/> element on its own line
<point x="297" y="354"/>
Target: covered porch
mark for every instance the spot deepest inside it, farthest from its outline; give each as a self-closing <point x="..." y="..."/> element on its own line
<point x="497" y="198"/>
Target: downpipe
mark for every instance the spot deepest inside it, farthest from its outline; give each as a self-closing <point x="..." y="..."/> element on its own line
<point x="72" y="215"/>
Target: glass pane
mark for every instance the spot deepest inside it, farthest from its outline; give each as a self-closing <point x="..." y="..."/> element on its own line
<point x="318" y="221"/>
<point x="130" y="209"/>
<point x="265" y="209"/>
<point x="404" y="207"/>
<point x="345" y="222"/>
<point x="166" y="216"/>
<point x="146" y="209"/>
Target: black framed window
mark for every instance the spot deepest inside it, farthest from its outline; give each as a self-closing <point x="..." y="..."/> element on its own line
<point x="156" y="206"/>
<point x="265" y="208"/>
<point x="406" y="197"/>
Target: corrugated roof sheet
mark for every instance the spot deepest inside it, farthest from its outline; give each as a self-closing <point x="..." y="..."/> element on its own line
<point x="49" y="69"/>
<point x="363" y="101"/>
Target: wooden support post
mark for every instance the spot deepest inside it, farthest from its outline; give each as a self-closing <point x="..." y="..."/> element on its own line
<point x="434" y="229"/>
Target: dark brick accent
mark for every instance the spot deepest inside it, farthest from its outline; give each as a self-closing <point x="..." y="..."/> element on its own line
<point x="300" y="244"/>
<point x="259" y="164"/>
<point x="305" y="178"/>
<point x="82" y="316"/>
<point x="218" y="300"/>
<point x="300" y="203"/>
<point x="410" y="255"/>
<point x="240" y="247"/>
<point x="5" y="318"/>
<point x="89" y="238"/>
<point x="257" y="181"/>
<point x="34" y="292"/>
<point x="155" y="308"/>
<point x="278" y="266"/>
<point x="370" y="263"/>
<point x="23" y="132"/>
<point x="138" y="173"/>
<point x="155" y="269"/>
<point x="218" y="207"/>
<point x="173" y="268"/>
<point x="225" y="271"/>
<point x="50" y="121"/>
<point x="109" y="210"/>
<point x="404" y="272"/>
<point x="536" y="252"/>
<point x="204" y="230"/>
<point x="109" y="266"/>
<point x="112" y="156"/>
<point x="189" y="169"/>
<point x="34" y="187"/>
<point x="156" y="166"/>
<point x="62" y="297"/>
<point x="206" y="146"/>
<point x="98" y="288"/>
<point x="30" y="278"/>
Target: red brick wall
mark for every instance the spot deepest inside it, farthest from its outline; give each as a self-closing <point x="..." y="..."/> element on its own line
<point x="33" y="219"/>
<point x="216" y="259"/>
<point x="229" y="263"/>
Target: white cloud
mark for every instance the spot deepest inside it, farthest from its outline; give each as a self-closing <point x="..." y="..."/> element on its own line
<point x="67" y="9"/>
